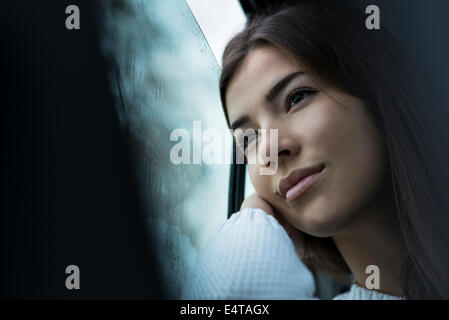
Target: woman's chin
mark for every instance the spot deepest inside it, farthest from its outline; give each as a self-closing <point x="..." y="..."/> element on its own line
<point x="323" y="224"/>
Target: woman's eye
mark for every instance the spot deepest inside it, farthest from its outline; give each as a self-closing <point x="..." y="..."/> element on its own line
<point x="297" y="96"/>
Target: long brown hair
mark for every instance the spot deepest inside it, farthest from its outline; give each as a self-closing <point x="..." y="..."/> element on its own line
<point x="334" y="43"/>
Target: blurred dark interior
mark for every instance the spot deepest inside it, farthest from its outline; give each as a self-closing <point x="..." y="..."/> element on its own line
<point x="67" y="195"/>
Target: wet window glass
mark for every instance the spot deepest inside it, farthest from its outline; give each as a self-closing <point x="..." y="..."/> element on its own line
<point x="165" y="77"/>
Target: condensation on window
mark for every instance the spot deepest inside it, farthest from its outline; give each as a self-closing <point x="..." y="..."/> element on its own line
<point x="164" y="77"/>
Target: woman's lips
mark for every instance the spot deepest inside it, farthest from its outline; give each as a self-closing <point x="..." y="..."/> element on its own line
<point x="295" y="191"/>
<point x="293" y="185"/>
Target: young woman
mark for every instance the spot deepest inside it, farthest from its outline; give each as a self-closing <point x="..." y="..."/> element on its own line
<point x="361" y="175"/>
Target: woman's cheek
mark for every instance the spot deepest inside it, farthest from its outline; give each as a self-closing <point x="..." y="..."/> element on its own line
<point x="320" y="126"/>
<point x="264" y="185"/>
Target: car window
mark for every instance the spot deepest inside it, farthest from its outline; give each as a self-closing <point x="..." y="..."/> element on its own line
<point x="165" y="76"/>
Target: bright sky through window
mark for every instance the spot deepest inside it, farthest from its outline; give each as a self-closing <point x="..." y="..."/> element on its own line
<point x="219" y="21"/>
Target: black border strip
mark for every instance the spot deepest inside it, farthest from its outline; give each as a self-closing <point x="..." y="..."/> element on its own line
<point x="236" y="184"/>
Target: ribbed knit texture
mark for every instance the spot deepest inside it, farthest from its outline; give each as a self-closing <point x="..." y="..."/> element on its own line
<point x="251" y="257"/>
<point x="359" y="293"/>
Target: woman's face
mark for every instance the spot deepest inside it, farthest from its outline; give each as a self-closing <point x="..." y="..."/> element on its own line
<point x="318" y="127"/>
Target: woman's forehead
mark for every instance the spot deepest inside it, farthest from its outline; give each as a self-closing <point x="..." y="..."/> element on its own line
<point x="260" y="70"/>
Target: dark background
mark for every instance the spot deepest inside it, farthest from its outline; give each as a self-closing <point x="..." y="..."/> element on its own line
<point x="67" y="196"/>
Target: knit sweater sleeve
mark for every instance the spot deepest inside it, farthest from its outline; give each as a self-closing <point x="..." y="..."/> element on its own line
<point x="249" y="257"/>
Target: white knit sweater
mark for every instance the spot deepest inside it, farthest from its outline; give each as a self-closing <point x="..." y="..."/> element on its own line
<point x="251" y="257"/>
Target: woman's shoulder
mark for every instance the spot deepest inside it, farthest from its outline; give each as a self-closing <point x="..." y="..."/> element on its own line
<point x="252" y="215"/>
<point x="357" y="292"/>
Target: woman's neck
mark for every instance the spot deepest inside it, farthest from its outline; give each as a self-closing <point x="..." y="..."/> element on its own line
<point x="375" y="238"/>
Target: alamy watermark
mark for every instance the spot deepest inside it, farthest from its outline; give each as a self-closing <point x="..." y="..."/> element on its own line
<point x="73" y="280"/>
<point x="213" y="146"/>
<point x="373" y="280"/>
<point x="372" y="22"/>
<point x="73" y="20"/>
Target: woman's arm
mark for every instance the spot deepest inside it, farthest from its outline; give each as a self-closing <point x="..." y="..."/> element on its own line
<point x="251" y="256"/>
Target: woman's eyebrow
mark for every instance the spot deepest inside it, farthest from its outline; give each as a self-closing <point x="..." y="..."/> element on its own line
<point x="239" y="122"/>
<point x="272" y="94"/>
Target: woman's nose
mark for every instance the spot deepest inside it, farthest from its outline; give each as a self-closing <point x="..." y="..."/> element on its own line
<point x="277" y="145"/>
